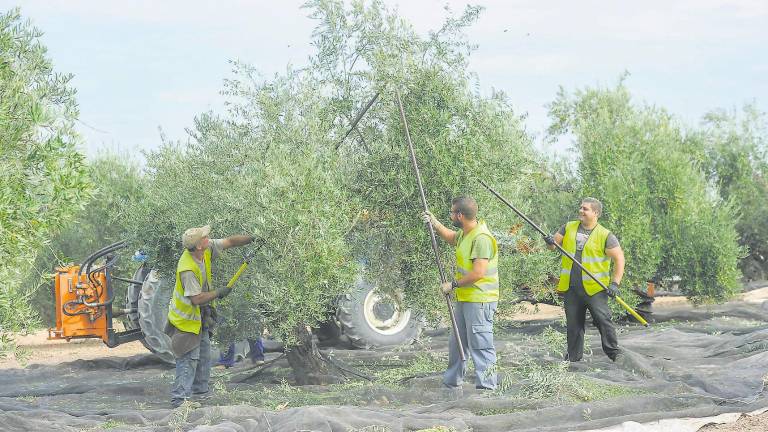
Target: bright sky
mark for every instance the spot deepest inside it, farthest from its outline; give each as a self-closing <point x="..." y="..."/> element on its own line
<point x="145" y="64"/>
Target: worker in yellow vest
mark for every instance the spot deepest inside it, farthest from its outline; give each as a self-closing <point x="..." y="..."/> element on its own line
<point x="191" y="315"/>
<point x="476" y="289"/>
<point x="594" y="246"/>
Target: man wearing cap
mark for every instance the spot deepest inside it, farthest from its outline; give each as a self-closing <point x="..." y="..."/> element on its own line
<point x="190" y="312"/>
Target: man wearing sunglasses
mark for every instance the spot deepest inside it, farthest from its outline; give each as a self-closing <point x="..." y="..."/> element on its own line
<point x="476" y="290"/>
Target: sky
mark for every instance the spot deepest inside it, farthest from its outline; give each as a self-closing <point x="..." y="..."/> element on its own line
<point x="144" y="65"/>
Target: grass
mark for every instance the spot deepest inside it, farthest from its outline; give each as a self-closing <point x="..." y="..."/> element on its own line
<point x="284" y="395"/>
<point x="27" y="398"/>
<point x="554" y="342"/>
<point x="525" y="377"/>
<point x="393" y="371"/>
<point x="522" y="376"/>
<point x="181" y="414"/>
<point x="391" y="376"/>
<point x="495" y="411"/>
<point x="107" y="425"/>
<point x="531" y="380"/>
<point x="22" y="354"/>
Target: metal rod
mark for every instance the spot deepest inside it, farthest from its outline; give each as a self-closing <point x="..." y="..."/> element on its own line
<point x="358" y="118"/>
<point x="130" y="281"/>
<point x="563" y="251"/>
<point x="431" y="229"/>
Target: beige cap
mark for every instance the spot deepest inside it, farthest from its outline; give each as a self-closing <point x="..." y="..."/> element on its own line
<point x="193" y="236"/>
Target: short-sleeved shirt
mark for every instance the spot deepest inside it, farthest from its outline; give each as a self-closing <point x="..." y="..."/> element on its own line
<point x="482" y="247"/>
<point x="582" y="235"/>
<point x="189" y="281"/>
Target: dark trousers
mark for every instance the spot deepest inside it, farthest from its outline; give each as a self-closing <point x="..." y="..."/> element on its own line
<point x="577" y="301"/>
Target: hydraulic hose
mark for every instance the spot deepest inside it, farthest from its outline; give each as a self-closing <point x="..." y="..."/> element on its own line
<point x="99" y="253"/>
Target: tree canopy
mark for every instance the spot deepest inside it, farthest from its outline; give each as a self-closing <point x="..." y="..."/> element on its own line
<point x="657" y="198"/>
<point x="44" y="180"/>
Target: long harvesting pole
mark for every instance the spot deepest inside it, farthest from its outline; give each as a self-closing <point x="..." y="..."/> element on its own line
<point x="358" y="118"/>
<point x="440" y="268"/>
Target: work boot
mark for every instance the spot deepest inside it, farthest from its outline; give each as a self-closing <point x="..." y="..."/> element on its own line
<point x="619" y="358"/>
<point x="567" y="357"/>
<point x="201" y="396"/>
<point x="175" y="403"/>
<point x="451" y="393"/>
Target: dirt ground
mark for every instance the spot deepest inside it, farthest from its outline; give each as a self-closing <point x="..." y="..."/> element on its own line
<point x="648" y="377"/>
<point x="35" y="348"/>
<point x="745" y="423"/>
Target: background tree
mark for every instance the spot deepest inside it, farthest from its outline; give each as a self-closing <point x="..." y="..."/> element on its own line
<point x="102" y="221"/>
<point x="44" y="181"/>
<point x="733" y="149"/>
<point x="657" y="200"/>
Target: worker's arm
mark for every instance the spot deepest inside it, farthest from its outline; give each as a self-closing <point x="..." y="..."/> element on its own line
<point x="204" y="298"/>
<point x="557" y="238"/>
<point x="194" y="291"/>
<point x="479" y="267"/>
<point x="445" y="233"/>
<point x="617" y="255"/>
<point x="236" y="240"/>
<point x="482" y="252"/>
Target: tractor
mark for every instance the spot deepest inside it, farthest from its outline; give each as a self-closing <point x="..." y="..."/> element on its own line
<point x="85" y="308"/>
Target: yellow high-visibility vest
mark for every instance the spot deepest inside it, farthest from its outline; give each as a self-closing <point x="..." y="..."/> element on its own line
<point x="593" y="258"/>
<point x="182" y="313"/>
<point x="486" y="289"/>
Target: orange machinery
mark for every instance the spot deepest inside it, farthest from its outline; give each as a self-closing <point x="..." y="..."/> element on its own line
<point x="84" y="300"/>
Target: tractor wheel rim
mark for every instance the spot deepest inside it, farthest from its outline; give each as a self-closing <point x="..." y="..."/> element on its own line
<point x="376" y="313"/>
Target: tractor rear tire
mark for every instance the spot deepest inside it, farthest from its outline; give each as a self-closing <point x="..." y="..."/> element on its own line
<point x="370" y="318"/>
<point x="151" y="304"/>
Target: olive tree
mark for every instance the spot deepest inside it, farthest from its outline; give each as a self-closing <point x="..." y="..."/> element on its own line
<point x="460" y="137"/>
<point x="267" y="168"/>
<point x="43" y="182"/>
<point x="656" y="196"/>
<point x="117" y="181"/>
<point x="733" y="146"/>
<point x="275" y="166"/>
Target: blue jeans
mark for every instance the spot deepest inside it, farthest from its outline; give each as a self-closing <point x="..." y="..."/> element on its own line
<point x="193" y="371"/>
<point x="255" y="352"/>
<point x="475" y="324"/>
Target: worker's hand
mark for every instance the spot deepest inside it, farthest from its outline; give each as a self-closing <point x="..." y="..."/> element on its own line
<point x="446" y="287"/>
<point x="428" y="218"/>
<point x="223" y="292"/>
<point x="549" y="240"/>
<point x="613" y="289"/>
